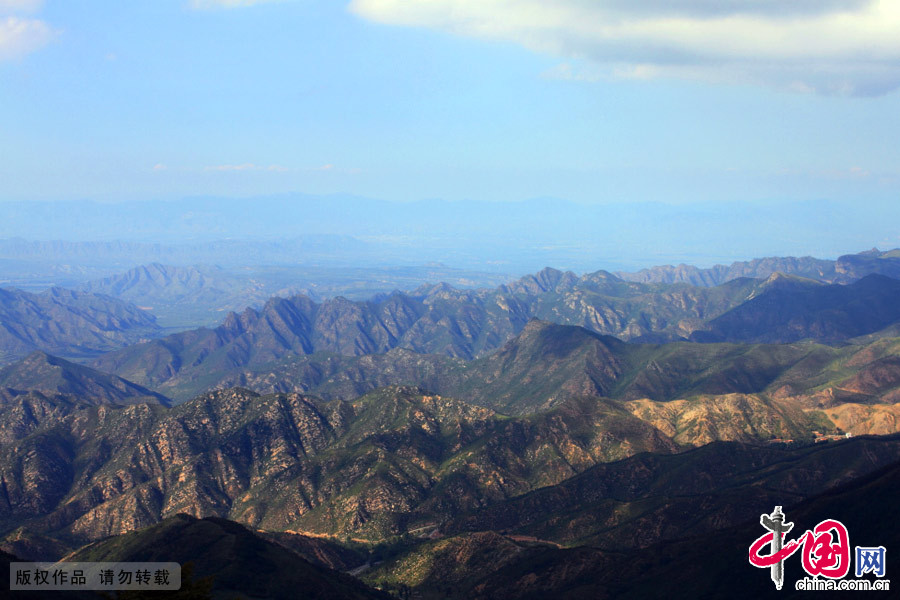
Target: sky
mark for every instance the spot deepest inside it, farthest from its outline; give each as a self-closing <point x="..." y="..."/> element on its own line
<point x="590" y="101"/>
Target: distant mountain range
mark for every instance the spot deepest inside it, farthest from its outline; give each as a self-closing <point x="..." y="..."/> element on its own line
<point x="555" y="436"/>
<point x="438" y="318"/>
<point x="69" y="323"/>
<point x="473" y="323"/>
<point x="188" y="297"/>
<point x="51" y="375"/>
<point x="846" y="269"/>
<point x="398" y="458"/>
<point x="434" y="319"/>
<point x="229" y="251"/>
<point x="341" y="230"/>
<point x="790" y="309"/>
<point x="547" y="363"/>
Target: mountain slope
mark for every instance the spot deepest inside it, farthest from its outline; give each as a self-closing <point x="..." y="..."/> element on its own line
<point x="683" y="527"/>
<point x="710" y="565"/>
<point x="373" y="468"/>
<point x="51" y="375"/>
<point x="547" y="363"/>
<point x="67" y="323"/>
<point x="645" y="499"/>
<point x="238" y="561"/>
<point x="544" y="364"/>
<point x="760" y="268"/>
<point x="473" y="323"/>
<point x="791" y="309"/>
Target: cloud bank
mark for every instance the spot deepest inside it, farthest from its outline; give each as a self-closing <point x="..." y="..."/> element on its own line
<point x="19" y="36"/>
<point x="14" y="6"/>
<point x="832" y="47"/>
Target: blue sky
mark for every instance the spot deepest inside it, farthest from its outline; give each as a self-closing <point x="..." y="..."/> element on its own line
<point x="590" y="101"/>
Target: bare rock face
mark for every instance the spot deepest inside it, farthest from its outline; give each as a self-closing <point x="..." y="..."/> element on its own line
<point x="286" y="461"/>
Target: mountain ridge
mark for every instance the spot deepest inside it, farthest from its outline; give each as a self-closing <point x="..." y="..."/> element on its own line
<point x="68" y="323"/>
<point x="845" y="269"/>
<point x="48" y="374"/>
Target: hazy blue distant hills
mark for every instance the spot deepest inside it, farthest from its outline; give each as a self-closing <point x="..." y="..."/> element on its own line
<point x="432" y="320"/>
<point x="787" y="309"/>
<point x="68" y="323"/>
<point x="846" y="269"/>
<point x="480" y="235"/>
<point x="51" y="375"/>
<point x="856" y="266"/>
<point x="188" y="296"/>
<point x="124" y="252"/>
<point x="440" y="319"/>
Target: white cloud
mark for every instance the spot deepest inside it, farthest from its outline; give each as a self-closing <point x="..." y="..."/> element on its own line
<point x="19" y="37"/>
<point x="20" y="6"/>
<point x="840" y="47"/>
